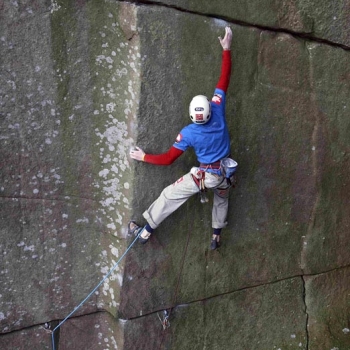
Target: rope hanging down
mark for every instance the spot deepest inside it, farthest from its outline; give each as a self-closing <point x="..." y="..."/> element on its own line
<point x="93" y="291"/>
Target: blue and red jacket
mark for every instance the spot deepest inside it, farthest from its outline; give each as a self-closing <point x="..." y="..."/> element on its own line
<point x="210" y="141"/>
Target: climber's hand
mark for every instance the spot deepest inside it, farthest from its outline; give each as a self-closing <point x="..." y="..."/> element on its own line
<point x="138" y="154"/>
<point x="226" y="41"/>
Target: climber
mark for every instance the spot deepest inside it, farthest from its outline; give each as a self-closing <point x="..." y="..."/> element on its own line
<point x="209" y="136"/>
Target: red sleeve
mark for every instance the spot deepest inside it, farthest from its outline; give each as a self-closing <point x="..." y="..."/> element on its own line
<point x="164" y="158"/>
<point x="225" y="71"/>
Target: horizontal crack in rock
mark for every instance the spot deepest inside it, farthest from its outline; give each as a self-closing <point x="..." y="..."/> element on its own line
<point x="241" y="290"/>
<point x="301" y="35"/>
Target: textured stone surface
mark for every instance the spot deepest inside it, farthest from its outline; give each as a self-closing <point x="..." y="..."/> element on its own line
<point x="92" y="332"/>
<point x="47" y="265"/>
<point x="68" y="87"/>
<point x="328" y="306"/>
<point x="36" y="337"/>
<point x="266" y="317"/>
<point x="327" y="239"/>
<point x="317" y="19"/>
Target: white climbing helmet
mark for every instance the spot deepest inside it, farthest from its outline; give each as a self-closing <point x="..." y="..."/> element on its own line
<point x="200" y="109"/>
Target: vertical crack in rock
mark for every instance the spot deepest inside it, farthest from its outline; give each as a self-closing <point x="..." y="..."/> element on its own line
<point x="316" y="153"/>
<point x="205" y="336"/>
<point x="306" y="313"/>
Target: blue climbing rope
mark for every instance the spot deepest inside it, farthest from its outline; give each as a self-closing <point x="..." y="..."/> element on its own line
<point x="93" y="291"/>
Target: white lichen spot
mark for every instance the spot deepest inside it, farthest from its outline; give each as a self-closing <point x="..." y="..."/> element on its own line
<point x="111" y="226"/>
<point x="100" y="58"/>
<point x="35" y="191"/>
<point x="115" y="169"/>
<point x="110" y="107"/>
<point x="346" y="330"/>
<point x="30" y="248"/>
<point x="103" y="173"/>
<point x="121" y="72"/>
<point x="14" y="126"/>
<point x="115" y="252"/>
<point x="112" y="338"/>
<point x="83" y="220"/>
<point x="54" y="6"/>
<point x="120" y="279"/>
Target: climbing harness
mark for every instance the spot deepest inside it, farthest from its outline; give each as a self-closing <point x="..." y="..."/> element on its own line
<point x="93" y="291"/>
<point x="225" y="167"/>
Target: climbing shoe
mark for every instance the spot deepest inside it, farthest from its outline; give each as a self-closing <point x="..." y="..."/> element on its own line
<point x="144" y="236"/>
<point x="214" y="244"/>
<point x="134" y="229"/>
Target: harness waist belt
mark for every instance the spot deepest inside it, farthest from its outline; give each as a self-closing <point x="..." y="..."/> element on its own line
<point x="215" y="165"/>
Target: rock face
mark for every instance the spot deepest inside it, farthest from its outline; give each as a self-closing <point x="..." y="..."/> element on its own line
<point x="81" y="83"/>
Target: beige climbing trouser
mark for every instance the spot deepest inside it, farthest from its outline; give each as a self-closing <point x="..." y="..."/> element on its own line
<point x="173" y="196"/>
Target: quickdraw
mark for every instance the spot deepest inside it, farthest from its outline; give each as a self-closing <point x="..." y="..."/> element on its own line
<point x="165" y="321"/>
<point x="202" y="190"/>
<point x="198" y="176"/>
